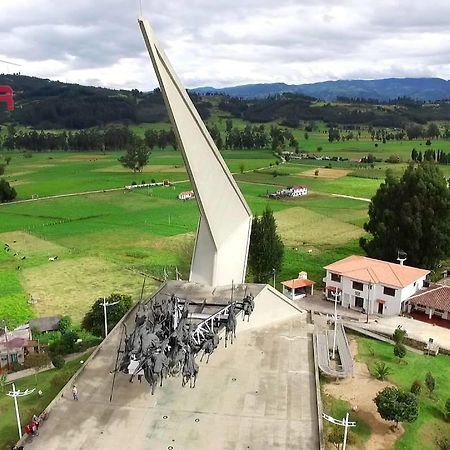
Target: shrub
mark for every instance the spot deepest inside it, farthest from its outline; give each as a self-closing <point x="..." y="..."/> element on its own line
<point x="382" y="370"/>
<point x="153" y="180"/>
<point x="133" y="183"/>
<point x="447" y="410"/>
<point x="399" y="335"/>
<point x="61" y="378"/>
<point x="430" y="382"/>
<point x="416" y="387"/>
<point x="443" y="444"/>
<point x="58" y="361"/>
<point x="399" y="351"/>
<point x="143" y="182"/>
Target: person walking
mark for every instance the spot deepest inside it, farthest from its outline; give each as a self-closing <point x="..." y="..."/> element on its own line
<point x="75" y="392"/>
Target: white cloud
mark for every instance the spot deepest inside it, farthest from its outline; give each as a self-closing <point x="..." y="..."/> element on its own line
<point x="226" y="43"/>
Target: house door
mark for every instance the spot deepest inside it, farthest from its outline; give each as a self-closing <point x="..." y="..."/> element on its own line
<point x="380" y="308"/>
<point x="359" y="302"/>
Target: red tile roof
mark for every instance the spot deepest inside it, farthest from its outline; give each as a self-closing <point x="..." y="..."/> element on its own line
<point x="297" y="283"/>
<point x="368" y="270"/>
<point x="436" y="297"/>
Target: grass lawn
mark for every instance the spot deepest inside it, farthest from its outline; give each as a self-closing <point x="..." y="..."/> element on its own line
<point x="421" y="434"/>
<point x="338" y="409"/>
<point x="49" y="382"/>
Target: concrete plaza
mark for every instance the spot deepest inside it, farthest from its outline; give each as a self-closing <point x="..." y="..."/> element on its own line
<point x="258" y="393"/>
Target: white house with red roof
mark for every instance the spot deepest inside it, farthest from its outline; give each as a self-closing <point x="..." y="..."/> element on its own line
<point x="372" y="285"/>
<point x="432" y="301"/>
<point x="187" y="195"/>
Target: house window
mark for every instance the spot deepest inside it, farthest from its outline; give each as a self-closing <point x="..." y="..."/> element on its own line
<point x="389" y="291"/>
<point x="358" y="286"/>
<point x="359" y="302"/>
<point x="335" y="277"/>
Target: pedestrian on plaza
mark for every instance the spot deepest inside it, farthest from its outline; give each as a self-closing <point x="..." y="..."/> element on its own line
<point x="75" y="392"/>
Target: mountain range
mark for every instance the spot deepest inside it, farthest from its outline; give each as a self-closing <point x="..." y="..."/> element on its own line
<point x="425" y="89"/>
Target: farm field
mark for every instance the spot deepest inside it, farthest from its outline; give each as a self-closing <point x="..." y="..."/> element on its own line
<point x="107" y="241"/>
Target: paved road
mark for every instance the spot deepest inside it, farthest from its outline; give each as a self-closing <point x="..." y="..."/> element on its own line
<point x="258" y="394"/>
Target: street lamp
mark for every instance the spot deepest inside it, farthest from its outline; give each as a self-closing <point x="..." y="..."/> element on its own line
<point x="16" y="394"/>
<point x="105" y="304"/>
<point x="274" y="272"/>
<point x="343" y="423"/>
<point x="336" y="295"/>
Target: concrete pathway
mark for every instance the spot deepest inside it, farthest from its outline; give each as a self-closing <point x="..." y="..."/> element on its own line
<point x="258" y="393"/>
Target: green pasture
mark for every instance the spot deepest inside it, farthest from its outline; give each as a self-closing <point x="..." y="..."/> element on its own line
<point x="421" y="434"/>
<point x="108" y="240"/>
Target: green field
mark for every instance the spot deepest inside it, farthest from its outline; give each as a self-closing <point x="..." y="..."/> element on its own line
<point x="106" y="241"/>
<point x="421" y="434"/>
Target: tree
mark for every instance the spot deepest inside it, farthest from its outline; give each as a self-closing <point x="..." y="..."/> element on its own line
<point x="422" y="229"/>
<point x="65" y="324"/>
<point x="93" y="320"/>
<point x="266" y="247"/>
<point x="447" y="410"/>
<point x="396" y="405"/>
<point x="382" y="370"/>
<point x="136" y="156"/>
<point x="399" y="335"/>
<point x="430" y="383"/>
<point x="399" y="351"/>
<point x="7" y="193"/>
<point x="58" y="361"/>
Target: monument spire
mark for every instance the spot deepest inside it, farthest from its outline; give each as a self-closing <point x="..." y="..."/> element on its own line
<point x="223" y="233"/>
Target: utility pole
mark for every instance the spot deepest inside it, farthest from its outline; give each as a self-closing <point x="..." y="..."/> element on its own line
<point x="368" y="301"/>
<point x="105" y="304"/>
<point x="16" y="394"/>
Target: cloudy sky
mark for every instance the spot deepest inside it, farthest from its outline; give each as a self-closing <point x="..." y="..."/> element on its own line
<point x="227" y="42"/>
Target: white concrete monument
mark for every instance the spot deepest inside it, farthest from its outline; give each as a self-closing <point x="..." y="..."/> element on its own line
<point x="223" y="234"/>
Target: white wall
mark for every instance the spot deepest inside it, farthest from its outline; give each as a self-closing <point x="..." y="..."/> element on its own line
<point x="392" y="305"/>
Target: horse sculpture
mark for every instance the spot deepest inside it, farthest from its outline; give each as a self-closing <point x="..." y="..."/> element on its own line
<point x="190" y="370"/>
<point x="248" y="305"/>
<point x="209" y="345"/>
<point x="230" y="326"/>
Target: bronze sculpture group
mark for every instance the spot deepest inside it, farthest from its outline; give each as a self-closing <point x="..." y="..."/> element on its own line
<point x="162" y="343"/>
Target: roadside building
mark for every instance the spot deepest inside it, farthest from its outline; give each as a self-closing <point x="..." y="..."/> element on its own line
<point x="45" y="324"/>
<point x="15" y="345"/>
<point x="187" y="195"/>
<point x="373" y="286"/>
<point x="298" y="287"/>
<point x="431" y="302"/>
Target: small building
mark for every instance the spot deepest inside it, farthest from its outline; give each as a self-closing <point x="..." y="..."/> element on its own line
<point x="187" y="195"/>
<point x="45" y="324"/>
<point x="298" y="287"/>
<point x="433" y="301"/>
<point x="14" y="345"/>
<point x="290" y="191"/>
<point x="371" y="285"/>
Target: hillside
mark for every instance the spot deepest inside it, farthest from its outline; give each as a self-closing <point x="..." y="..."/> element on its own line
<point x="424" y="89"/>
<point x="45" y="104"/>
